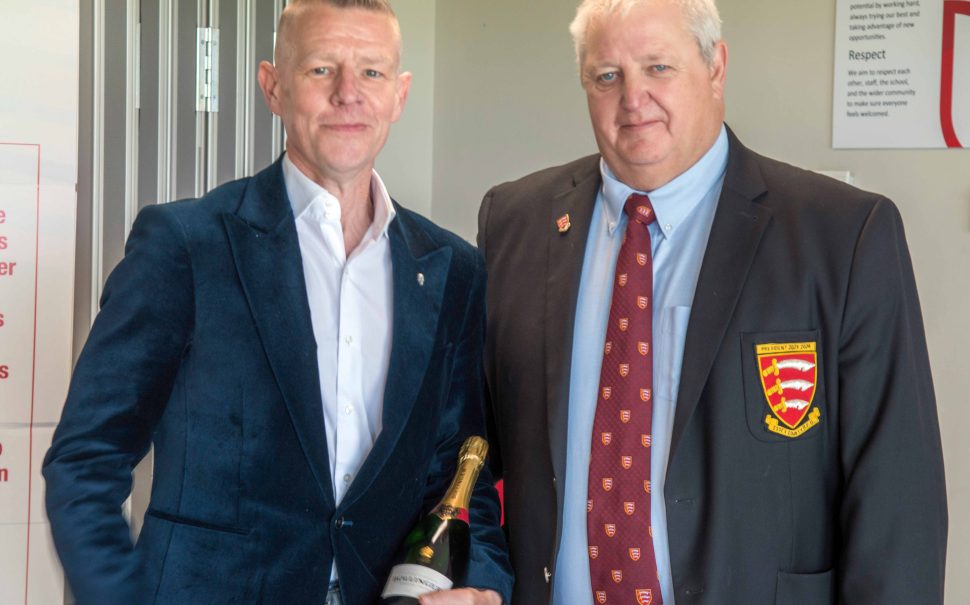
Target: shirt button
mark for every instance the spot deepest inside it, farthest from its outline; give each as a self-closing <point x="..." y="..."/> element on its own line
<point x="349" y="340"/>
<point x="668" y="227"/>
<point x="349" y="410"/>
<point x="347" y="478"/>
<point x="612" y="226"/>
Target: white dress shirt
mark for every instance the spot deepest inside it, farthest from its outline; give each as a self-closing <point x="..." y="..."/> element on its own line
<point x="351" y="307"/>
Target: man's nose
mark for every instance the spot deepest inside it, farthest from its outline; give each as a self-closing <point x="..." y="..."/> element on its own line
<point x="636" y="91"/>
<point x="347" y="89"/>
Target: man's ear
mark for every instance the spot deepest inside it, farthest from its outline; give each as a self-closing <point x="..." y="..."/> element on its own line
<point x="403" y="86"/>
<point x="269" y="80"/>
<point x="719" y="68"/>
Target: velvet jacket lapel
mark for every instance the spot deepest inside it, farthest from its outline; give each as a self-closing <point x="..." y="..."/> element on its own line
<point x="266" y="250"/>
<point x="566" y="251"/>
<point x="739" y="223"/>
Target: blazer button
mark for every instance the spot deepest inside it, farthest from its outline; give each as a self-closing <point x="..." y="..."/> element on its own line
<point x="545" y="572"/>
<point x="339" y="522"/>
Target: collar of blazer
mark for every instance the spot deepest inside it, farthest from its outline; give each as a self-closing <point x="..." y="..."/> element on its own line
<point x="265" y="247"/>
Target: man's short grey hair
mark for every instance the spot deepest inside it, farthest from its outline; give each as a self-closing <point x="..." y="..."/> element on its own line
<point x="703" y="21"/>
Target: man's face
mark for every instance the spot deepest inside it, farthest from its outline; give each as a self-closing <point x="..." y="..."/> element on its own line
<point x="336" y="87"/>
<point x="655" y="104"/>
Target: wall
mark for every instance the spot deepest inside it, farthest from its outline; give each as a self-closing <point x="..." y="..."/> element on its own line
<point x="507" y="101"/>
<point x="405" y="164"/>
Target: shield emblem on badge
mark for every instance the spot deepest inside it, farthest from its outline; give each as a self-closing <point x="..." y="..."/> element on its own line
<point x="607" y="391"/>
<point x="642" y="302"/>
<point x="622" y="279"/>
<point x="629" y="508"/>
<point x="601" y="596"/>
<point x="624" y="324"/>
<point x="641" y="259"/>
<point x="643" y="348"/>
<point x="594" y="551"/>
<point x="635" y="554"/>
<point x="606" y="438"/>
<point x="626" y="462"/>
<point x="788" y="375"/>
<point x="610" y="529"/>
<point x="617" y="575"/>
<point x="646" y="440"/>
<point x="607" y="483"/>
<point x="624" y="416"/>
<point x="644" y="596"/>
<point x="645" y="395"/>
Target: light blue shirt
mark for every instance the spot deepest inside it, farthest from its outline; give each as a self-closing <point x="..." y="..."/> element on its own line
<point x="685" y="210"/>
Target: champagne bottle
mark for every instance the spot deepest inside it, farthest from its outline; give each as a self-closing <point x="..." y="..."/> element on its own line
<point x="437" y="548"/>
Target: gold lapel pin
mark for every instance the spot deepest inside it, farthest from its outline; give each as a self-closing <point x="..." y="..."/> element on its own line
<point x="420" y="279"/>
<point x="563" y="223"/>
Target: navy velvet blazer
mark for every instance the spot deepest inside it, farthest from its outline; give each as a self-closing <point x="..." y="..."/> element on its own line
<point x="204" y="348"/>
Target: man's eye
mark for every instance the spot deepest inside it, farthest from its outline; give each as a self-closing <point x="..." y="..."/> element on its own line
<point x="609" y="76"/>
<point x="660" y="68"/>
<point x="372" y="73"/>
<point x="321" y="71"/>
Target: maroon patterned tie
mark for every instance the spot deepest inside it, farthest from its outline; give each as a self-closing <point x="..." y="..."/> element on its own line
<point x="622" y="564"/>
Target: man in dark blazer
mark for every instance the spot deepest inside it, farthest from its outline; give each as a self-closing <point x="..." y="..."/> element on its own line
<point x="208" y="347"/>
<point x="796" y="452"/>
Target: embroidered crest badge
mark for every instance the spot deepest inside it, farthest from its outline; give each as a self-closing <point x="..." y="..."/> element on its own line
<point x="789" y="375"/>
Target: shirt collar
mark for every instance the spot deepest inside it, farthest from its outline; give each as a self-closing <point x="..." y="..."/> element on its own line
<point x="304" y="192"/>
<point x="673" y="202"/>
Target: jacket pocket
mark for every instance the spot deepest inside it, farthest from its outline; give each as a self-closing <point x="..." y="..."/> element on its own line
<point x="189" y="561"/>
<point x="805" y="588"/>
<point x="784" y="395"/>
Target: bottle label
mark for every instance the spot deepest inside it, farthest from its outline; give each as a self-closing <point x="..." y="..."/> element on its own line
<point x="410" y="580"/>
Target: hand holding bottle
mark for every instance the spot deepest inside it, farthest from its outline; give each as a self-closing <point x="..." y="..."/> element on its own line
<point x="461" y="596"/>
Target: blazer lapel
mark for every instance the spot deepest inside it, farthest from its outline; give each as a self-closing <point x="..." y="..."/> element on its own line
<point x="266" y="249"/>
<point x="739" y="223"/>
<point x="566" y="250"/>
<point x="419" y="276"/>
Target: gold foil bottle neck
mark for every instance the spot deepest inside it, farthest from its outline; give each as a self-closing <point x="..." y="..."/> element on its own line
<point x="471" y="458"/>
<point x="474" y="448"/>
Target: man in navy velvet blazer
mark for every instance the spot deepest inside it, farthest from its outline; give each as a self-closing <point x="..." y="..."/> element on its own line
<point x="208" y="347"/>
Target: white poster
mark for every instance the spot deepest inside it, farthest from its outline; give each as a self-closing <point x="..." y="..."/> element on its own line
<point x="38" y="203"/>
<point x="902" y="74"/>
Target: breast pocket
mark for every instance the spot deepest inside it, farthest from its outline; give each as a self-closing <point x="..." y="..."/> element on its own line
<point x="783" y="390"/>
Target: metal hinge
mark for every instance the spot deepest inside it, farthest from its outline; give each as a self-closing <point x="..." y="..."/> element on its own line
<point x="207" y="70"/>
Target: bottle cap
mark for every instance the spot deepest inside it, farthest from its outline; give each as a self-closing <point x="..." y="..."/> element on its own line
<point x="475" y="448"/>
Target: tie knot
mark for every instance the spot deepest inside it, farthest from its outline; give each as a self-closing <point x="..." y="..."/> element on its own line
<point x="639" y="209"/>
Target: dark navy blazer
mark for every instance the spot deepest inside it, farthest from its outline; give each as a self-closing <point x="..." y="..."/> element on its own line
<point x="204" y="348"/>
<point x="853" y="510"/>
